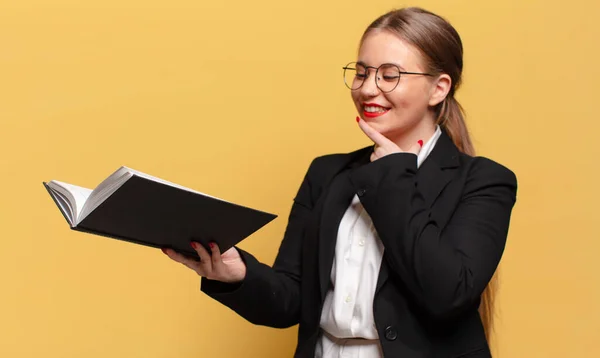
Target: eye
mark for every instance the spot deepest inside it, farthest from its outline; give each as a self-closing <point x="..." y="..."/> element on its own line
<point x="390" y="73"/>
<point x="391" y="78"/>
<point x="361" y="71"/>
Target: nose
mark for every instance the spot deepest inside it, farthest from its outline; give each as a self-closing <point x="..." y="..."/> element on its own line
<point x="369" y="87"/>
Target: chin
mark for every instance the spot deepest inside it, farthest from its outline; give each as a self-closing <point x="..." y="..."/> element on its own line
<point x="382" y="125"/>
<point x="383" y="129"/>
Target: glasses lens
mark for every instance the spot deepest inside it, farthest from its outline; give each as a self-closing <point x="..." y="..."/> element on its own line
<point x="354" y="75"/>
<point x="388" y="77"/>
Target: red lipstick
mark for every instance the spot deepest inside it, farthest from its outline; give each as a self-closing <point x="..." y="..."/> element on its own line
<point x="374" y="114"/>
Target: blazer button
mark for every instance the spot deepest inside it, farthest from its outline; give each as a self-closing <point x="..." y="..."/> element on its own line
<point x="390" y="333"/>
<point x="361" y="192"/>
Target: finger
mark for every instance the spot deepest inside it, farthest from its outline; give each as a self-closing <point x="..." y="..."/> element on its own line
<point x="190" y="263"/>
<point x="377" y="138"/>
<point x="205" y="260"/>
<point x="175" y="256"/>
<point x="216" y="254"/>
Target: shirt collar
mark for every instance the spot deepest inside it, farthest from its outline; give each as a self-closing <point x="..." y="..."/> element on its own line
<point x="428" y="146"/>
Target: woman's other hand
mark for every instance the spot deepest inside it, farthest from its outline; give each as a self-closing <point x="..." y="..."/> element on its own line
<point x="227" y="267"/>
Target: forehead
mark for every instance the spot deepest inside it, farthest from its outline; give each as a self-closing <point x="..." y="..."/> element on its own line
<point x="381" y="47"/>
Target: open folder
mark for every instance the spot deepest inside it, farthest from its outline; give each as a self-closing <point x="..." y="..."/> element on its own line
<point x="136" y="207"/>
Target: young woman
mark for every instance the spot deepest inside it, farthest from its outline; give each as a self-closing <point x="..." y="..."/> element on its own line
<point x="389" y="250"/>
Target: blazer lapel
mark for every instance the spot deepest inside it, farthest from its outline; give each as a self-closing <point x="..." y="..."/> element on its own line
<point x="436" y="171"/>
<point x="337" y="201"/>
<point x="338" y="197"/>
<point x="432" y="177"/>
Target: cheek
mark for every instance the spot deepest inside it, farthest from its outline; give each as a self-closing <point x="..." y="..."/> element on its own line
<point x="408" y="98"/>
<point x="400" y="100"/>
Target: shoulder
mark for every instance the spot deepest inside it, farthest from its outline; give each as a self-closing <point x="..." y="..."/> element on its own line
<point x="485" y="172"/>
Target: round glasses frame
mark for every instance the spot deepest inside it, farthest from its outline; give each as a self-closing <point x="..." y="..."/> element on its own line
<point x="352" y="67"/>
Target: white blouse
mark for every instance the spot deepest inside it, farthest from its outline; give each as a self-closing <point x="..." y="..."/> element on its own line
<point x="348" y="308"/>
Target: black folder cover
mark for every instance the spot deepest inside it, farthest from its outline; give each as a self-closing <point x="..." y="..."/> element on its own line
<point x="147" y="212"/>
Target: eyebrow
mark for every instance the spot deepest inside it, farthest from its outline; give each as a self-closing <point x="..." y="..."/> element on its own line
<point x="387" y="63"/>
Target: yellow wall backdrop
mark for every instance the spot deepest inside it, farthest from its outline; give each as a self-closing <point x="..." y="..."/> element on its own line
<point x="235" y="98"/>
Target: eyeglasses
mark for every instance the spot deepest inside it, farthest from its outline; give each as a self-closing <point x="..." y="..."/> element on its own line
<point x="387" y="76"/>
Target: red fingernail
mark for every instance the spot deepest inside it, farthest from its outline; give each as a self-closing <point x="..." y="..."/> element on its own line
<point x="212" y="246"/>
<point x="164" y="250"/>
<point x="420" y="142"/>
<point x="357" y="119"/>
<point x="193" y="245"/>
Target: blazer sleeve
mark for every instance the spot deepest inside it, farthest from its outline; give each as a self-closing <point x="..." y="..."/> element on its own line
<point x="445" y="269"/>
<point x="270" y="296"/>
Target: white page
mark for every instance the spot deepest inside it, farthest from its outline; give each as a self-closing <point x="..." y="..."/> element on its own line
<point x="62" y="201"/>
<point x="80" y="194"/>
<point x="103" y="191"/>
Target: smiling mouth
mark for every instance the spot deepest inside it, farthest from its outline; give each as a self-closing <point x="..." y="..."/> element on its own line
<point x="374" y="111"/>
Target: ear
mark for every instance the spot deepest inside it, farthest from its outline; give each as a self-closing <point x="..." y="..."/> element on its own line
<point x="439" y="90"/>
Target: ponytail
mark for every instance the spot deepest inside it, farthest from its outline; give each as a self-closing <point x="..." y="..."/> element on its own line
<point x="451" y="118"/>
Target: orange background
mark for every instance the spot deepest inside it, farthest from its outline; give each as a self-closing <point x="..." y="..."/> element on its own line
<point x="234" y="99"/>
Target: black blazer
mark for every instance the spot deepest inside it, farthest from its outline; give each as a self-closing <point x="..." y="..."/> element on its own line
<point x="444" y="229"/>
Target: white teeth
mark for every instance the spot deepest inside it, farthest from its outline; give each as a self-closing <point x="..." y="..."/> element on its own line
<point x="374" y="109"/>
